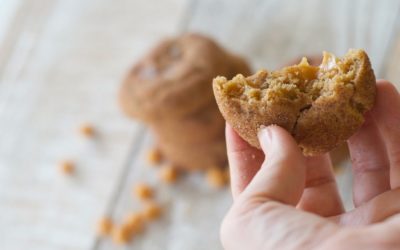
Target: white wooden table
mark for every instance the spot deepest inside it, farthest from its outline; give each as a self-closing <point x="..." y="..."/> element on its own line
<point x="61" y="63"/>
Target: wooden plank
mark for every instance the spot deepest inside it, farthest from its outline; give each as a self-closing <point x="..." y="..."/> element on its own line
<point x="393" y="73"/>
<point x="271" y="33"/>
<point x="65" y="68"/>
<point x="191" y="209"/>
<point x="391" y="67"/>
<point x="8" y="11"/>
<point x="21" y="15"/>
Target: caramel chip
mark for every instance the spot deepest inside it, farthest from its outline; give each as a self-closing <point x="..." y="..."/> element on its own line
<point x="135" y="221"/>
<point x="104" y="226"/>
<point x="86" y="130"/>
<point x="67" y="167"/>
<point x="152" y="211"/>
<point x="154" y="156"/>
<point x="169" y="174"/>
<point x="216" y="177"/>
<point x="122" y="235"/>
<point x="143" y="191"/>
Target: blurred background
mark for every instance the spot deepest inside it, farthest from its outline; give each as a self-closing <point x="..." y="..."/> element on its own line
<point x="61" y="66"/>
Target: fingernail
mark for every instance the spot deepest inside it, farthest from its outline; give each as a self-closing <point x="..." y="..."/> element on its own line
<point x="265" y="133"/>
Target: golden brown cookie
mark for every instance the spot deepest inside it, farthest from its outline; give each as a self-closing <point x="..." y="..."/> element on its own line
<point x="174" y="79"/>
<point x="202" y="126"/>
<point x="320" y="106"/>
<point x="195" y="156"/>
<point x="170" y="89"/>
<point x="341" y="153"/>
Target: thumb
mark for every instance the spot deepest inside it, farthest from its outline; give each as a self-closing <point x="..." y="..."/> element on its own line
<point x="282" y="175"/>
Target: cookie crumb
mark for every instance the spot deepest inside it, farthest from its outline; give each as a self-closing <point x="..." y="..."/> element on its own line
<point x="104" y="226"/>
<point x="67" y="167"/>
<point x="86" y="130"/>
<point x="216" y="177"/>
<point x="154" y="156"/>
<point x="169" y="174"/>
<point x="122" y="235"/>
<point x="143" y="191"/>
<point x="152" y="211"/>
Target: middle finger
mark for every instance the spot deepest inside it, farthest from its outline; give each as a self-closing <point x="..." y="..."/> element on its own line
<point x="370" y="163"/>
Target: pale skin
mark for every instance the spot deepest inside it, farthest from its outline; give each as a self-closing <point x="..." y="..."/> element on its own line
<point x="283" y="200"/>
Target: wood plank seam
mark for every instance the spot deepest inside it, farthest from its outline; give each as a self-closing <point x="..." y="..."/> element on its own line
<point x="182" y="27"/>
<point x="395" y="35"/>
<point x="121" y="182"/>
<point x="25" y="16"/>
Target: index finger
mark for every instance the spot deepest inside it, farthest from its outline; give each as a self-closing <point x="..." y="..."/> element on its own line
<point x="244" y="160"/>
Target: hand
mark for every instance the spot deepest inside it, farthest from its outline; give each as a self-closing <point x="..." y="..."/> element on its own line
<point x="289" y="201"/>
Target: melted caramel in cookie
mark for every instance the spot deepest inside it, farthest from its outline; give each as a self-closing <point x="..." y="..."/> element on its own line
<point x="293" y="82"/>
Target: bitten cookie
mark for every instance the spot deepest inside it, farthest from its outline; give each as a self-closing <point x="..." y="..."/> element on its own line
<point x="320" y="106"/>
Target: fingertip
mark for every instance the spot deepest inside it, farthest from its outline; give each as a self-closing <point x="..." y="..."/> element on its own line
<point x="264" y="136"/>
<point x="386" y="89"/>
<point x="387" y="100"/>
<point x="284" y="164"/>
<point x="382" y="83"/>
<point x="267" y="134"/>
<point x="274" y="138"/>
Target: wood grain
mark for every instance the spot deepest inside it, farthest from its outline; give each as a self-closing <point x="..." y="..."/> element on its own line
<point x="271" y="33"/>
<point x="61" y="63"/>
<point x="390" y="68"/>
<point x="64" y="68"/>
<point x="268" y="33"/>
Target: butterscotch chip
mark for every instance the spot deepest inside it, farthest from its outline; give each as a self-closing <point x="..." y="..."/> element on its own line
<point x="216" y="177"/>
<point x="321" y="106"/>
<point x="87" y="130"/>
<point x="67" y="167"/>
<point x="122" y="235"/>
<point x="135" y="221"/>
<point x="104" y="226"/>
<point x="152" y="211"/>
<point x="169" y="174"/>
<point x="143" y="191"/>
<point x="227" y="175"/>
<point x="154" y="156"/>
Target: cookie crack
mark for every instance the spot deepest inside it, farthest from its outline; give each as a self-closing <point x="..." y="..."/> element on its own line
<point x="301" y="111"/>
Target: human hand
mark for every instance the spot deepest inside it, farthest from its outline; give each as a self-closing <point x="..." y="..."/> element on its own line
<point x="288" y="201"/>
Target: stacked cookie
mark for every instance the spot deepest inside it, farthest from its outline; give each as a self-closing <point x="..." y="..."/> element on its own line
<point x="170" y="90"/>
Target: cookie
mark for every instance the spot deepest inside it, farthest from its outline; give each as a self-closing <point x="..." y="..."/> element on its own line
<point x="201" y="126"/>
<point x="195" y="156"/>
<point x="174" y="79"/>
<point x="340" y="154"/>
<point x="320" y="106"/>
<point x="170" y="90"/>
